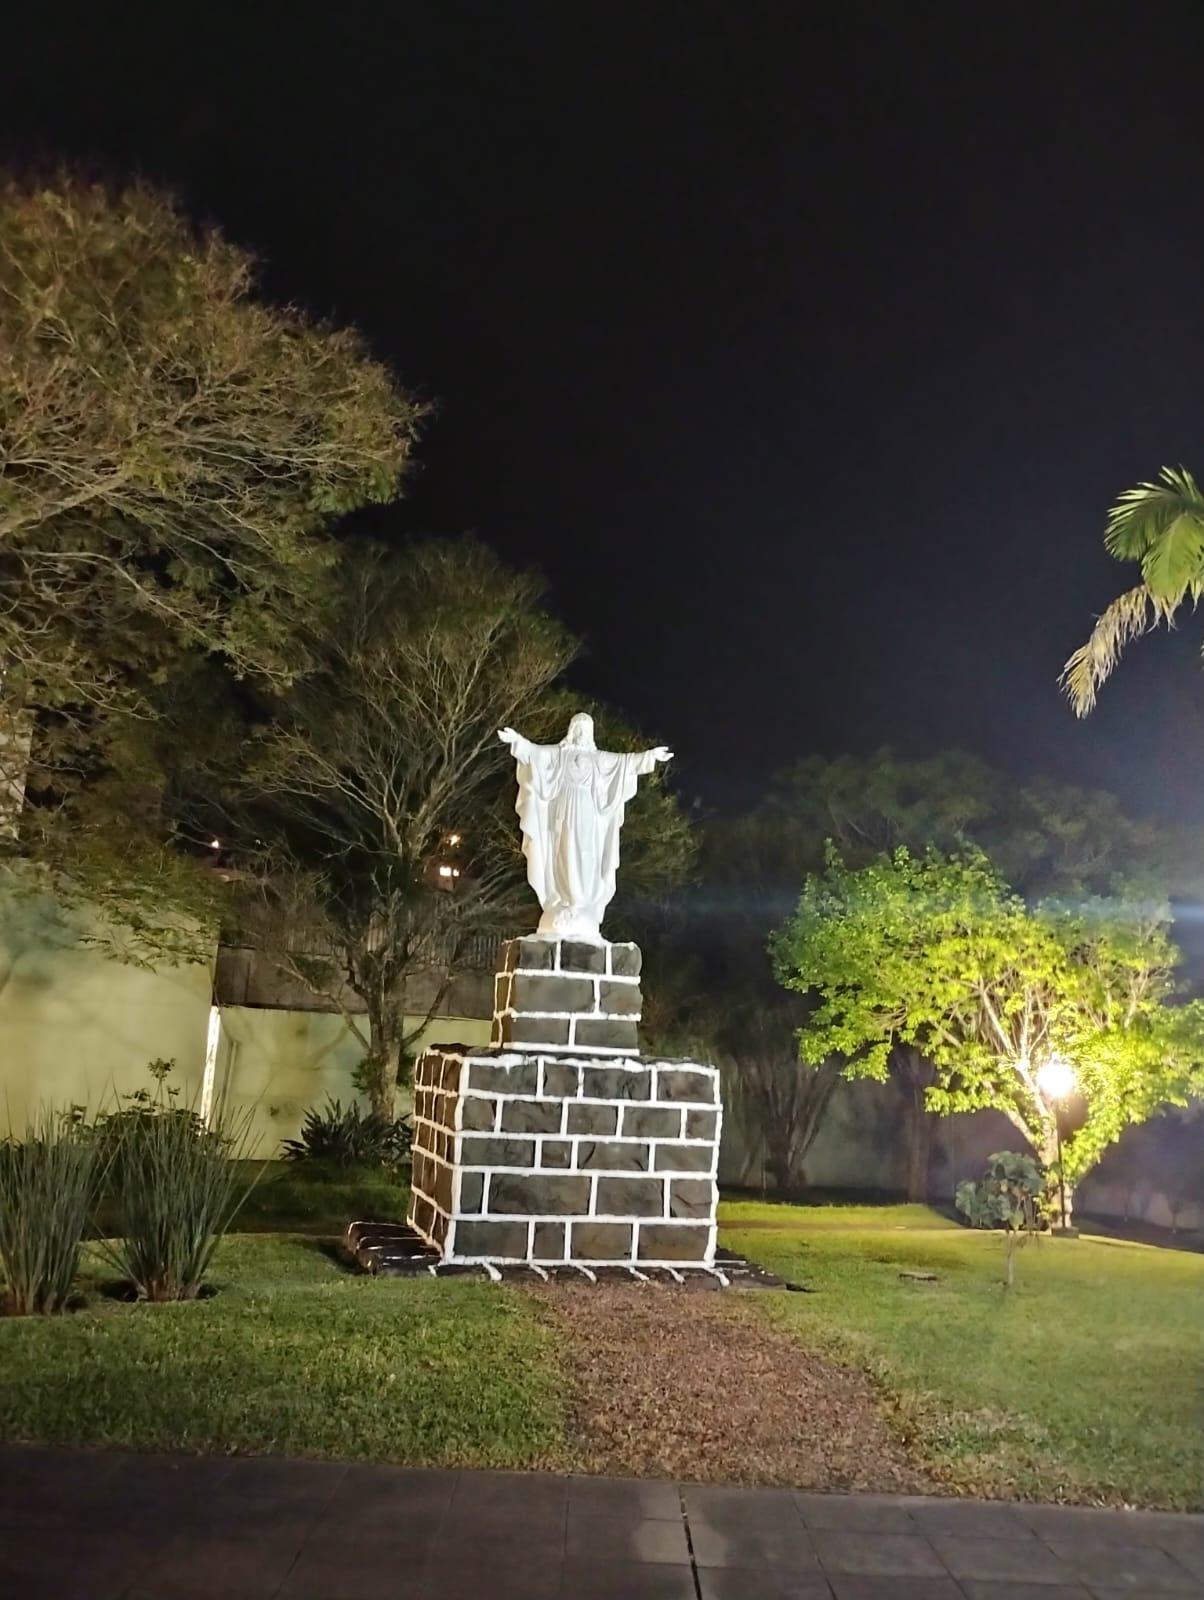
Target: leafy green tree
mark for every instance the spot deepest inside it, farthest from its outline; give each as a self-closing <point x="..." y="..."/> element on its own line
<point x="1160" y="526"/>
<point x="173" y="451"/>
<point x="937" y="953"/>
<point x="382" y="765"/>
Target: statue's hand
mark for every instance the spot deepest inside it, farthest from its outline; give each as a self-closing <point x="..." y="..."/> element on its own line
<point x="662" y="753"/>
<point x="507" y="735"/>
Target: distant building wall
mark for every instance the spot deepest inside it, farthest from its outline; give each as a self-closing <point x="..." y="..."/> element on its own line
<point x="79" y="1028"/>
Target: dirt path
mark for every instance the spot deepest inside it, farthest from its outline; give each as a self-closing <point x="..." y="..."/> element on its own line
<point x="685" y="1384"/>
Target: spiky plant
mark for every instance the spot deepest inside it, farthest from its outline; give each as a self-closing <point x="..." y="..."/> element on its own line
<point x="48" y="1184"/>
<point x="1160" y="525"/>
<point x="176" y="1187"/>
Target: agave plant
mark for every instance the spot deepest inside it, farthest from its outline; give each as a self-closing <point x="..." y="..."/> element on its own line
<point x="349" y="1136"/>
<point x="1160" y="525"/>
<point x="48" y="1185"/>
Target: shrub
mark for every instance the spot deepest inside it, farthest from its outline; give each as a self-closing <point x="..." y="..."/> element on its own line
<point x="48" y="1186"/>
<point x="350" y="1137"/>
<point x="1008" y="1196"/>
<point x="177" y="1185"/>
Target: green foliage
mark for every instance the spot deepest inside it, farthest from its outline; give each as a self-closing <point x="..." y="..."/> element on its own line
<point x="1007" y="1196"/>
<point x="176" y="1186"/>
<point x="48" y="1186"/>
<point x="350" y="1136"/>
<point x="1160" y="525"/>
<point x="936" y="952"/>
<point x="172" y="454"/>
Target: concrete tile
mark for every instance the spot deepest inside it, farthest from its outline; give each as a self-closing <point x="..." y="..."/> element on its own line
<point x="220" y="1566"/>
<point x="869" y="1554"/>
<point x="1022" y="1560"/>
<point x="379" y="1488"/>
<point x="619" y="1580"/>
<point x="608" y="1497"/>
<point x="1139" y="1568"/>
<point x="971" y="1519"/>
<point x="625" y="1539"/>
<point x="851" y="1586"/>
<point x="875" y="1513"/>
<point x="1095" y="1525"/>
<point x="987" y="1589"/>
<point x="447" y="1577"/>
<point x="762" y="1583"/>
<point x="721" y="1507"/>
<point x="785" y="1547"/>
<point x="359" y="1577"/>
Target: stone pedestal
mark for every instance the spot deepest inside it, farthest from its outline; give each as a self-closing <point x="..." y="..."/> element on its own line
<point x="571" y="1149"/>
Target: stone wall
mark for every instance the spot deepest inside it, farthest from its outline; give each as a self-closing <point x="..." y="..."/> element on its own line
<point x="549" y="1158"/>
<point x="564" y="994"/>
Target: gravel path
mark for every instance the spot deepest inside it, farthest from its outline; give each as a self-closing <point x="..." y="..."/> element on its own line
<point x="683" y="1384"/>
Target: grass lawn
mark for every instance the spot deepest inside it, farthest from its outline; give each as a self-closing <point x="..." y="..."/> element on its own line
<point x="1086" y="1383"/>
<point x="293" y="1355"/>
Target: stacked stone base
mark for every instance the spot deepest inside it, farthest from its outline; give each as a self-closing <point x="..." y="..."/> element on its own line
<point x="549" y="1158"/>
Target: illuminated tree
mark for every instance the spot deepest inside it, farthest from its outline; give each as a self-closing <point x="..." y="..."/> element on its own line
<point x="937" y="953"/>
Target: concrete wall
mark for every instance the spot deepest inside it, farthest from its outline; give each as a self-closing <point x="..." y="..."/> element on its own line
<point x="79" y="1028"/>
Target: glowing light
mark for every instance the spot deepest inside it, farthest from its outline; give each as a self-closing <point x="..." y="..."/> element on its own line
<point x="1055" y="1078"/>
<point x="215" y="844"/>
<point x="445" y="872"/>
<point x="453" y="838"/>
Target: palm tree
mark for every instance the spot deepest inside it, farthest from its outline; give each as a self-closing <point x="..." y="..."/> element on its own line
<point x="1162" y="526"/>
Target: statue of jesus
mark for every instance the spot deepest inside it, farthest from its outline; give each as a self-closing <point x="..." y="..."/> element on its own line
<point x="571" y="799"/>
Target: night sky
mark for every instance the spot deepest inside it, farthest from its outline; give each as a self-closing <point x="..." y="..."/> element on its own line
<point x="802" y="346"/>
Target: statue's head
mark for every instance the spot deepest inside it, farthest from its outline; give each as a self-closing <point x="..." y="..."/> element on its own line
<point x="581" y="732"/>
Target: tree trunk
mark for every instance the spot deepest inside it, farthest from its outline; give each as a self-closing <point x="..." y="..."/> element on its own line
<point x="379" y="1070"/>
<point x="921" y="1127"/>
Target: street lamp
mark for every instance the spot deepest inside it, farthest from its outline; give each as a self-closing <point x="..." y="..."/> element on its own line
<point x="1055" y="1079"/>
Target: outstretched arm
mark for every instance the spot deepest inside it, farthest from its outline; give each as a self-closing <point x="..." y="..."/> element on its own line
<point x="520" y="748"/>
<point x="650" y="758"/>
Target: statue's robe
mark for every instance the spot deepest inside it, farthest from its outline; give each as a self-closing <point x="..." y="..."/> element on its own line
<point x="570" y="804"/>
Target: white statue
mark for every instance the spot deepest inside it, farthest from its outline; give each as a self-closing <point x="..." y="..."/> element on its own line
<point x="571" y="799"/>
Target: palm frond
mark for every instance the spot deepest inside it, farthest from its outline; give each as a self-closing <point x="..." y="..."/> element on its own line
<point x="1127" y="618"/>
<point x="1141" y="516"/>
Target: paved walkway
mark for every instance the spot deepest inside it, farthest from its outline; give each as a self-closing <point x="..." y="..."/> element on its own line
<point x="107" y="1526"/>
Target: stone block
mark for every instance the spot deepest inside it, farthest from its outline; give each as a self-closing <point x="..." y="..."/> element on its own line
<point x="494" y="1152"/>
<point x="551" y="991"/>
<point x="619" y="999"/>
<point x="549" y="1239"/>
<point x="501" y="992"/>
<point x="576" y="956"/>
<point x="676" y="1084"/>
<point x="537" y="1195"/>
<point x="472" y="1191"/>
<point x="651" y="1122"/>
<point x="532" y="1116"/>
<point x="630" y="1197"/>
<point x="691" y="1198"/>
<point x="701" y="1124"/>
<point x="602" y="1155"/>
<point x="616" y="1083"/>
<point x="495" y="1077"/>
<point x="534" y="955"/>
<point x="561" y="1079"/>
<point x="505" y="1239"/>
<point x="668" y="1241"/>
<point x="438" y="1230"/>
<point x="597" y="1120"/>
<point x="684" y="1158"/>
<point x="422" y="1213"/>
<point x="626" y="960"/>
<point x="441" y="1190"/>
<point x="600" y="1241"/>
<point x="555" y="1153"/>
<point x="478" y="1114"/>
<point x="531" y="1031"/>
<point x="606" y="1033"/>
